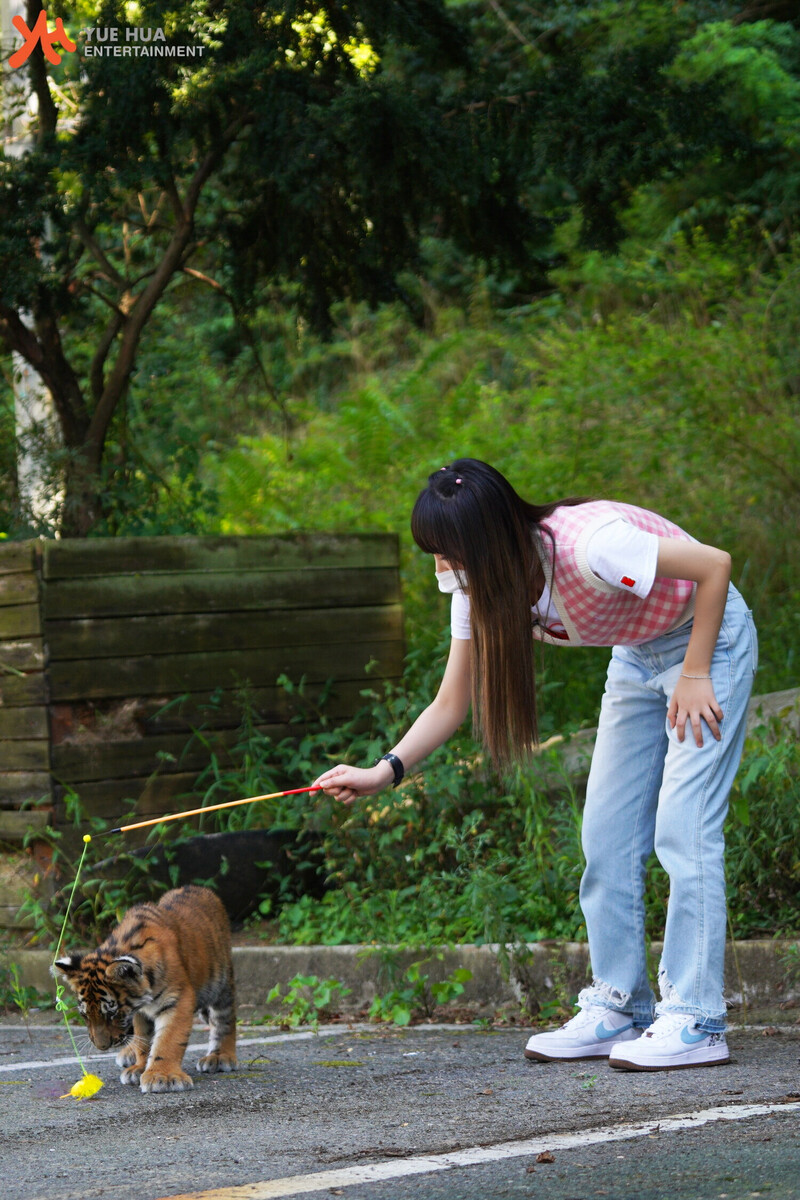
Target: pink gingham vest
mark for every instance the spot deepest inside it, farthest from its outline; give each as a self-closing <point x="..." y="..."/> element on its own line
<point x="593" y="612"/>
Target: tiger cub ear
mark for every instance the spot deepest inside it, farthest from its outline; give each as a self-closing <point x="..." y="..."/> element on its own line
<point x="69" y="965"/>
<point x="124" y="969"/>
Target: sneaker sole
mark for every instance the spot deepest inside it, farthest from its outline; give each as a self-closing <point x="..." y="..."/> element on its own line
<point x="565" y="1056"/>
<point x="620" y="1064"/>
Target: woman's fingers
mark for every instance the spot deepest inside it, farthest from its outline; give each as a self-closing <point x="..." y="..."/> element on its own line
<point x="346" y="784"/>
<point x="694" y="703"/>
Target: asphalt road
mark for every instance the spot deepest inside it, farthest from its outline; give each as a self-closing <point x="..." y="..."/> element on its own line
<point x="377" y="1114"/>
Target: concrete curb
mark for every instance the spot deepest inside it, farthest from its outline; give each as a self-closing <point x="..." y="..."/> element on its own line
<point x="552" y="971"/>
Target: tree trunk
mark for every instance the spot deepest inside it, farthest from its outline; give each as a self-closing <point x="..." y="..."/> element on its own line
<point x="80" y="507"/>
<point x="36" y="422"/>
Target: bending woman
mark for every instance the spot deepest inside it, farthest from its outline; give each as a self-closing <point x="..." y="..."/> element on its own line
<point x="669" y="739"/>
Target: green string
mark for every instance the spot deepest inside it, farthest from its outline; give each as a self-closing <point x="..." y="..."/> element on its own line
<point x="61" y="1005"/>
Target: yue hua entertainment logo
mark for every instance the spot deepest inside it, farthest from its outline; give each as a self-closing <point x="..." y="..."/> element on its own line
<point x="138" y="42"/>
<point x="126" y="41"/>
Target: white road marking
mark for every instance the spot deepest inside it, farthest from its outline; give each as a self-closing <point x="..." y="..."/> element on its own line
<point x="200" y="1048"/>
<point x="298" y="1185"/>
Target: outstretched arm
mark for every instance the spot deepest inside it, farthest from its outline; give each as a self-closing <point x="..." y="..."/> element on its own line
<point x="693" y="699"/>
<point x="432" y="728"/>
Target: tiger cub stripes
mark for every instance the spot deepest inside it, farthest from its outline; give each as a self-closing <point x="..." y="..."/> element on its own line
<point x="139" y="991"/>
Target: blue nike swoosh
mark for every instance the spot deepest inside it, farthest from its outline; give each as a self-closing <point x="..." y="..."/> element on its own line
<point x="603" y="1034"/>
<point x="691" y="1038"/>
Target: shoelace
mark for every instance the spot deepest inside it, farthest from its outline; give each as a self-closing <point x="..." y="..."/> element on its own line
<point x="667" y="1024"/>
<point x="588" y="1015"/>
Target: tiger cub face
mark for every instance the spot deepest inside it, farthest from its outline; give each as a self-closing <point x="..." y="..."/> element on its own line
<point x="109" y="991"/>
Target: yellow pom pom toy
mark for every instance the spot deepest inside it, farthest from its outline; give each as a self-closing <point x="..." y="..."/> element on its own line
<point x="84" y="1088"/>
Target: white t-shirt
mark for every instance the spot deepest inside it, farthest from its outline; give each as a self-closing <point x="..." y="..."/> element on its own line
<point x="616" y="552"/>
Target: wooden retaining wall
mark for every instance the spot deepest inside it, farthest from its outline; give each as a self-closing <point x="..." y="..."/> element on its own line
<point x="112" y="650"/>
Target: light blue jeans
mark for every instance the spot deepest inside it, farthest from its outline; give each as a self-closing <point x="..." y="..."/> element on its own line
<point x="648" y="791"/>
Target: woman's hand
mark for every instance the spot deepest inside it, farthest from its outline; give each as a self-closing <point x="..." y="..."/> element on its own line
<point x="693" y="700"/>
<point x="348" y="783"/>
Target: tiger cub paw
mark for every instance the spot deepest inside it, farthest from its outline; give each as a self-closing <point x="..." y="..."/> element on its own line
<point x="165" y="1081"/>
<point x="128" y="1058"/>
<point x="217" y="1062"/>
<point x="132" y="1074"/>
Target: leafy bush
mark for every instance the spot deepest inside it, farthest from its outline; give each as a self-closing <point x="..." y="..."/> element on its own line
<point x="459" y="853"/>
<point x="414" y="993"/>
<point x="763" y="861"/>
<point x="307" y="1000"/>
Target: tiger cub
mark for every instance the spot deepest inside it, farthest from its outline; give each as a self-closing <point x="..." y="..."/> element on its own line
<point x="139" y="991"/>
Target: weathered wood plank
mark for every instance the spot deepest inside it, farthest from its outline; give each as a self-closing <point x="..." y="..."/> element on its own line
<point x="20" y="787"/>
<point x="220" y="592"/>
<point x="17" y="556"/>
<point x="14" y="826"/>
<point x="12" y="892"/>
<point x="20" y="588"/>
<point x="22" y="690"/>
<point x="77" y="762"/>
<point x="80" y="559"/>
<point x="117" y="799"/>
<point x="10" y="918"/>
<point x="134" y="716"/>
<point x="25" y="654"/>
<point x="107" y="637"/>
<point x="27" y="723"/>
<point x="170" y="675"/>
<point x="269" y="704"/>
<point x="20" y="620"/>
<point x="24" y="755"/>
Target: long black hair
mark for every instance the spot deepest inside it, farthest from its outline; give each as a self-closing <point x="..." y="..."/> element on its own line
<point x="471" y="515"/>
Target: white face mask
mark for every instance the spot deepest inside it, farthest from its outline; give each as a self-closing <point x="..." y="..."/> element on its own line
<point x="448" y="581"/>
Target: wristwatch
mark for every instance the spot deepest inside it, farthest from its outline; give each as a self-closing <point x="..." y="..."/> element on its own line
<point x="396" y="765"/>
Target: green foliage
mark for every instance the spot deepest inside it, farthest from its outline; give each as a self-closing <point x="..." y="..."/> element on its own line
<point x="308" y="147"/>
<point x="455" y="855"/>
<point x="307" y="1000"/>
<point x="107" y="884"/>
<point x="16" y="995"/>
<point x="791" y="964"/>
<point x="460" y="854"/>
<point x="414" y="994"/>
<point x="763" y="859"/>
<point x="692" y="342"/>
<point x="364" y="152"/>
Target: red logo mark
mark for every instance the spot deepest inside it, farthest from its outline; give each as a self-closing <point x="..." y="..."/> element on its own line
<point x="40" y="34"/>
<point x="628" y="582"/>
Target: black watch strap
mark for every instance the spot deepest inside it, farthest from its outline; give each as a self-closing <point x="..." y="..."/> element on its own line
<point x="396" y="765"/>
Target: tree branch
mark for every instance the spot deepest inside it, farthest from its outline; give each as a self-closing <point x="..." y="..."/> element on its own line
<point x="95" y="249"/>
<point x="97" y="369"/>
<point x="43" y="352"/>
<point x="171" y="263"/>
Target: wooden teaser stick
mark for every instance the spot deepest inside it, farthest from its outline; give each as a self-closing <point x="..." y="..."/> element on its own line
<point x="195" y="812"/>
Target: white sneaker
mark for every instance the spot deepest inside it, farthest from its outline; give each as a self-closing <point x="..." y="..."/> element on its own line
<point x="672" y="1041"/>
<point x="590" y="1034"/>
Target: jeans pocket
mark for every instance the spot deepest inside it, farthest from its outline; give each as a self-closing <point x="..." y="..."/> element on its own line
<point x="751" y="629"/>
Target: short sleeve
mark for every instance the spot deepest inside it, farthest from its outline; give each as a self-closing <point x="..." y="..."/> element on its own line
<point x="459" y="616"/>
<point x="624" y="556"/>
